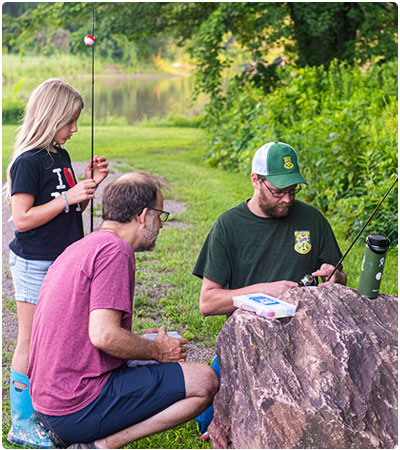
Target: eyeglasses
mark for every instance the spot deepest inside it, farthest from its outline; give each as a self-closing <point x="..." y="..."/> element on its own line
<point x="163" y="216"/>
<point x="281" y="194"/>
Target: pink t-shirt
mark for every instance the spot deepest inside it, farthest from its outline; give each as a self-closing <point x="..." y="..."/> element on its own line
<point x="66" y="371"/>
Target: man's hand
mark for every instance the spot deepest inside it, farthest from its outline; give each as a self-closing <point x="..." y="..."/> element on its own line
<point x="214" y="299"/>
<point x="150" y="331"/>
<point x="170" y="349"/>
<point x="277" y="288"/>
<point x="325" y="271"/>
<point x="106" y="334"/>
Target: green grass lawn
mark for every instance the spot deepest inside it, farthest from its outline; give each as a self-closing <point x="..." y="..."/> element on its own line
<point x="177" y="154"/>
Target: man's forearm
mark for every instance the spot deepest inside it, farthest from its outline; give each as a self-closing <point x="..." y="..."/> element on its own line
<point x="106" y="334"/>
<point x="124" y="344"/>
<point x="215" y="300"/>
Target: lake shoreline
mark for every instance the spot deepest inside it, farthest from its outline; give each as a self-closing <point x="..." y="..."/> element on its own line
<point x="16" y="68"/>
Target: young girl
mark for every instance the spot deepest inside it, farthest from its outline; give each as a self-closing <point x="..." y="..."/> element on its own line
<point x="47" y="205"/>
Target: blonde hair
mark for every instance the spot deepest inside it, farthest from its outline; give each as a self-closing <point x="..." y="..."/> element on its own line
<point x="51" y="106"/>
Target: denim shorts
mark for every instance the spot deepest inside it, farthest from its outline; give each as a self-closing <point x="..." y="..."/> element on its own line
<point x="130" y="395"/>
<point x="28" y="276"/>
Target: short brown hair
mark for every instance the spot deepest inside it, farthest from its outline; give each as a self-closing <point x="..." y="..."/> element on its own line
<point x="127" y="196"/>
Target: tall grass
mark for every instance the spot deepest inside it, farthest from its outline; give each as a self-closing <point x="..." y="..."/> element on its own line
<point x="16" y="67"/>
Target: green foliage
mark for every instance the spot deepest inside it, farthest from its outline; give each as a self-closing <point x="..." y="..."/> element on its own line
<point x="306" y="33"/>
<point x="13" y="111"/>
<point x="344" y="30"/>
<point x="309" y="33"/>
<point x="342" y="120"/>
<point x="177" y="120"/>
<point x="123" y="31"/>
<point x="16" y="67"/>
<point x="13" y="107"/>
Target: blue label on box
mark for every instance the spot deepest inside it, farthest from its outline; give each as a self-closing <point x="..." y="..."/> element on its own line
<point x="264" y="300"/>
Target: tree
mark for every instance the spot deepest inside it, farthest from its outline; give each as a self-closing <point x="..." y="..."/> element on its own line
<point x="343" y="31"/>
<point x="309" y="33"/>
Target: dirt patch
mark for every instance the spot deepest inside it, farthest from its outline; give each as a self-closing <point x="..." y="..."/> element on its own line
<point x="174" y="207"/>
<point x="199" y="353"/>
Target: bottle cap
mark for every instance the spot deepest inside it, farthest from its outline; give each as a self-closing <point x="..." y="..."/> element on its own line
<point x="378" y="243"/>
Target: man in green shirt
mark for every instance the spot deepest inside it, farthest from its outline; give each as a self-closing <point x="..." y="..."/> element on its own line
<point x="269" y="242"/>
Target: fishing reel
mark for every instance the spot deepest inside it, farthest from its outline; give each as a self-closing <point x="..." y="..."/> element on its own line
<point x="308" y="280"/>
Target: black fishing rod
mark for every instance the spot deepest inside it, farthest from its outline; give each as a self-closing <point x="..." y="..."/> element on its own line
<point x="92" y="154"/>
<point x="308" y="280"/>
<point x="89" y="41"/>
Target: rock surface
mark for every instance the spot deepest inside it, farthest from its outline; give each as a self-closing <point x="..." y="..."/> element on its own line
<point x="326" y="378"/>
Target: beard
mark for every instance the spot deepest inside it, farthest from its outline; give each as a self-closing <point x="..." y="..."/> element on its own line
<point x="148" y="240"/>
<point x="274" y="210"/>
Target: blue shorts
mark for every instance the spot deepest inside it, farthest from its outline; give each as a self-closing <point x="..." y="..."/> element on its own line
<point x="129" y="396"/>
<point x="28" y="276"/>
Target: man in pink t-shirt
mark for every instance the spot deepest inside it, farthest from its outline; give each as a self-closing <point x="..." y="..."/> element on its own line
<point x="81" y="386"/>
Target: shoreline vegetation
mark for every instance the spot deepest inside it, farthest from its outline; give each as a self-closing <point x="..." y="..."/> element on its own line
<point x="21" y="74"/>
<point x="16" y="67"/>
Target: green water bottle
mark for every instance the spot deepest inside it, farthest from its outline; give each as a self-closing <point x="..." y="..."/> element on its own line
<point x="372" y="265"/>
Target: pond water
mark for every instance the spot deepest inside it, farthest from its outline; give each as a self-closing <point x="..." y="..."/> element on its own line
<point x="135" y="98"/>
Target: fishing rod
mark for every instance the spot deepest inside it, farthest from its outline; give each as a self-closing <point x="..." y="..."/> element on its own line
<point x="89" y="41"/>
<point x="308" y="280"/>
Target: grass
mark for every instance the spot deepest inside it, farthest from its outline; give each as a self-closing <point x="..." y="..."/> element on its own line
<point x="177" y="154"/>
<point x="17" y="67"/>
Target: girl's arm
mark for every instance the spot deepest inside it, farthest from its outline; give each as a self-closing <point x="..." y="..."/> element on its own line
<point x="26" y="216"/>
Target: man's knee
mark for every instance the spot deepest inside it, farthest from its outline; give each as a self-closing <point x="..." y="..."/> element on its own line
<point x="200" y="380"/>
<point x="212" y="380"/>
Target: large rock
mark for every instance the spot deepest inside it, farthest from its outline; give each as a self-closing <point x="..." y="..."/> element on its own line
<point x="326" y="378"/>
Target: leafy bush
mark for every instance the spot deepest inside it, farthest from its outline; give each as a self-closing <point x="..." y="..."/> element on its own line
<point x="13" y="111"/>
<point x="343" y="122"/>
<point x="13" y="107"/>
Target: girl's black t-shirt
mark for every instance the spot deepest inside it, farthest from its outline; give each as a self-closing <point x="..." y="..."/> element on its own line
<point x="45" y="176"/>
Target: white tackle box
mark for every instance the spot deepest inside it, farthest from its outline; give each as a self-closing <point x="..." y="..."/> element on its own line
<point x="264" y="305"/>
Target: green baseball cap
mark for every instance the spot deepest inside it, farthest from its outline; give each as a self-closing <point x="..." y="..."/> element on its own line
<point x="279" y="164"/>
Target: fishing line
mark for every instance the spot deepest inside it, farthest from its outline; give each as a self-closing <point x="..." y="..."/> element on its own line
<point x="92" y="154"/>
<point x="309" y="280"/>
<point x="362" y="229"/>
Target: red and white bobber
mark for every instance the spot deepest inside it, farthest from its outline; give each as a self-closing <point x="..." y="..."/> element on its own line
<point x="89" y="40"/>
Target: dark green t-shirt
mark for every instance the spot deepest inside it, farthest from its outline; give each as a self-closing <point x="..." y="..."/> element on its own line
<point x="243" y="249"/>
